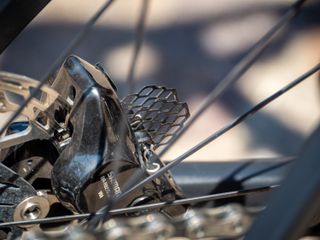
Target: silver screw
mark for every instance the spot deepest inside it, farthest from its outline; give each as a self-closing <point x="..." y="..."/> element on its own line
<point x="31" y="212"/>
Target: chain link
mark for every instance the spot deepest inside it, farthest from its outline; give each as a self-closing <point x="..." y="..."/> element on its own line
<point x="230" y="221"/>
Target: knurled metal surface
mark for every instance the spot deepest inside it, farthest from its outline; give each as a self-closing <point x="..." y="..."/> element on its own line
<point x="157" y="111"/>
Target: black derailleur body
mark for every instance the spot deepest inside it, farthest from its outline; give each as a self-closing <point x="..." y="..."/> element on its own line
<point x="99" y="151"/>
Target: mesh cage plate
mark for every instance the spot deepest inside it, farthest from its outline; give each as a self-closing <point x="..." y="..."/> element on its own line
<point x="157" y="111"/>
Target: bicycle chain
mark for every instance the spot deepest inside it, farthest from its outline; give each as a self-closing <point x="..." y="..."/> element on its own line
<point x="226" y="222"/>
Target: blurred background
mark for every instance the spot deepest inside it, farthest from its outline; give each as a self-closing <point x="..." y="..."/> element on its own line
<point x="191" y="46"/>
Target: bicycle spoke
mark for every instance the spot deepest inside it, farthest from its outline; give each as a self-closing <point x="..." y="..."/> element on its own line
<point x="119" y="211"/>
<point x="265" y="170"/>
<point x="237" y="71"/>
<point x="57" y="62"/>
<point x="222" y="131"/>
<point x="139" y="36"/>
<point x="78" y="38"/>
<point x="205" y="198"/>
